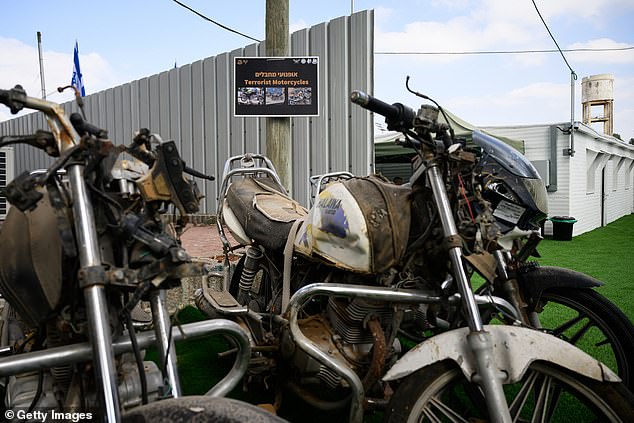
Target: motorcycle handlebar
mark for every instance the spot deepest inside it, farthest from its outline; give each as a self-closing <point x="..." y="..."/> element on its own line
<point x="14" y="99"/>
<point x="373" y="104"/>
<point x="82" y="127"/>
<point x="397" y="116"/>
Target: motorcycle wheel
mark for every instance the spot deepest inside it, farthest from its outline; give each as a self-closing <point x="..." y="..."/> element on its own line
<point x="200" y="409"/>
<point x="588" y="320"/>
<point x="546" y="393"/>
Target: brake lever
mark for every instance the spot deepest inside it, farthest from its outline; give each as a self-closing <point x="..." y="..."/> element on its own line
<point x="193" y="172"/>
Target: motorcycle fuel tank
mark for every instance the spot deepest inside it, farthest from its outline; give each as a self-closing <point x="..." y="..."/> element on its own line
<point x="31" y="264"/>
<point x="360" y="224"/>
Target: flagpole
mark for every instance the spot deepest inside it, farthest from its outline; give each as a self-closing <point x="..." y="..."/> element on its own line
<point x="39" y="49"/>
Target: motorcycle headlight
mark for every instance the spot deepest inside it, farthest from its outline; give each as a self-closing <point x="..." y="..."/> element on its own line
<point x="537" y="191"/>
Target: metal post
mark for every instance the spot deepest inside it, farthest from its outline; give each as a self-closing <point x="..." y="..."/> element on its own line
<point x="573" y="77"/>
<point x="39" y="50"/>
<point x="95" y="296"/>
<point x="164" y="343"/>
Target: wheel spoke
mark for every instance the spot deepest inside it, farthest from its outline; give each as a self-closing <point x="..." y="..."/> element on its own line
<point x="580" y="333"/>
<point x="567" y="325"/>
<point x="552" y="403"/>
<point x="447" y="412"/>
<point x="516" y="407"/>
<point x="431" y="416"/>
<point x="543" y="392"/>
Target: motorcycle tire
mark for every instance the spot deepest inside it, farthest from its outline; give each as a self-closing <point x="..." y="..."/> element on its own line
<point x="440" y="392"/>
<point x="588" y="320"/>
<point x="200" y="409"/>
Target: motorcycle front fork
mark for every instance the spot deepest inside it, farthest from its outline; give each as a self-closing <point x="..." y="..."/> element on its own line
<point x="92" y="282"/>
<point x="480" y="341"/>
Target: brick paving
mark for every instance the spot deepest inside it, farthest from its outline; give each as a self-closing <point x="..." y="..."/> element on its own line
<point x="203" y="241"/>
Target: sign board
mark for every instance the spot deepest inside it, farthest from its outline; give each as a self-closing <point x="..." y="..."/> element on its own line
<point x="276" y="86"/>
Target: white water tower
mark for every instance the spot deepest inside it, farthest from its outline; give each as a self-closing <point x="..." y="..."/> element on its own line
<point x="597" y="99"/>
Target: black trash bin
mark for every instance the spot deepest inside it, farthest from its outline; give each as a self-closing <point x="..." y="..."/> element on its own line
<point x="562" y="227"/>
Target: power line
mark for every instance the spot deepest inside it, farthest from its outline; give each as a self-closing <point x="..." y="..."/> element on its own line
<point x="214" y="22"/>
<point x="553" y="38"/>
<point x="485" y="52"/>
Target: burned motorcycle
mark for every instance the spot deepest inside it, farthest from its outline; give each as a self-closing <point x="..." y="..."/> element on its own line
<point x="332" y="295"/>
<point x="82" y="244"/>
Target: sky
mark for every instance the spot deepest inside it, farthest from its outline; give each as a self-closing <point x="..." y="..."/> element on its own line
<point x="124" y="40"/>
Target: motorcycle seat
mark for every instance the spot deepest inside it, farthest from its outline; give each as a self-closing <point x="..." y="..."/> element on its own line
<point x="265" y="214"/>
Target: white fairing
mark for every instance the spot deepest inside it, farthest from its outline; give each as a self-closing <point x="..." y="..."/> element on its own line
<point x="335" y="230"/>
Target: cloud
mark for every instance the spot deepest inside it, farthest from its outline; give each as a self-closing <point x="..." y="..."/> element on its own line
<point x="603" y="57"/>
<point x="20" y="65"/>
<point x="540" y="102"/>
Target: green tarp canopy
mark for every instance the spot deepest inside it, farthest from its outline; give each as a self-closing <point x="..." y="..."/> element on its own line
<point x="386" y="150"/>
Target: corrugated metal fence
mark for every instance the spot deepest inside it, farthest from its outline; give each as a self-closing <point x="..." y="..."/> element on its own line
<point x="193" y="105"/>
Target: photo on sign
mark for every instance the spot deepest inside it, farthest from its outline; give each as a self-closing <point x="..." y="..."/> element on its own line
<point x="250" y="96"/>
<point x="275" y="95"/>
<point x="299" y="96"/>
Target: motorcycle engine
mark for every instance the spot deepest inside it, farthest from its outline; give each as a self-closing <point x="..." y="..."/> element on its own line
<point x="341" y="332"/>
<point x="65" y="385"/>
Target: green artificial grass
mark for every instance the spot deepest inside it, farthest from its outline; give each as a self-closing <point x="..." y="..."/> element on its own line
<point x="199" y="366"/>
<point x="604" y="253"/>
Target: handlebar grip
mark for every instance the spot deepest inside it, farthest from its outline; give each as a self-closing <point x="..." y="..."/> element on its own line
<point x="375" y="105"/>
<point x="397" y="116"/>
<point x="82" y="127"/>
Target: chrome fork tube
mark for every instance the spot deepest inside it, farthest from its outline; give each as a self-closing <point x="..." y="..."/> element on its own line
<point x="94" y="295"/>
<point x="488" y="376"/>
<point x="455" y="253"/>
<point x="164" y="343"/>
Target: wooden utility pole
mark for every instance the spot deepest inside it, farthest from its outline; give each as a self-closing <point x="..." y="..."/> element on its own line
<point x="278" y="129"/>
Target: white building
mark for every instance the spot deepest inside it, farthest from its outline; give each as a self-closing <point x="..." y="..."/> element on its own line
<point x="594" y="185"/>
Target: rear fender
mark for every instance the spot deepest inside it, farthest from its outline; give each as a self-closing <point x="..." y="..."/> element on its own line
<point x="514" y="349"/>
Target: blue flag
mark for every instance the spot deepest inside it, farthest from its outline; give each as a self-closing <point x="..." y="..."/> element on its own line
<point x="78" y="80"/>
